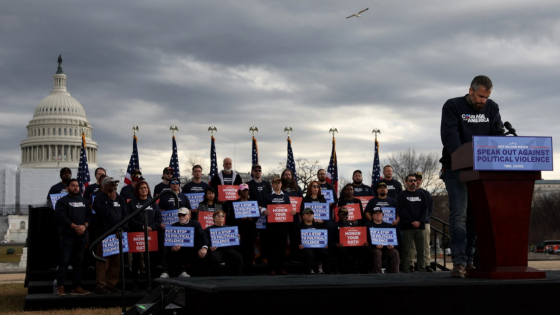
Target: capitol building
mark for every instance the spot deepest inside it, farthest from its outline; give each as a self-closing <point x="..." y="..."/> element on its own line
<point x="54" y="133"/>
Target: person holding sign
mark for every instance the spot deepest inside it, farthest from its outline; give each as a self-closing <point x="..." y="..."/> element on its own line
<point x="382" y="200"/>
<point x="111" y="210"/>
<point x="347" y="198"/>
<point x="474" y="114"/>
<point x="412" y="208"/>
<point x="322" y="179"/>
<point x="307" y="254"/>
<point x="178" y="256"/>
<point x="136" y="224"/>
<point x="226" y="253"/>
<point x="210" y="202"/>
<point x="259" y="189"/>
<point x="247" y="228"/>
<point x="226" y="177"/>
<point x="343" y="253"/>
<point x="277" y="231"/>
<point x="72" y="214"/>
<point x="391" y="253"/>
<point x="313" y="195"/>
<point x="291" y="188"/>
<point x="60" y="188"/>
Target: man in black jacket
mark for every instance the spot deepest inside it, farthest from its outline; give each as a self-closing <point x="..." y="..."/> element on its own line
<point x="73" y="217"/>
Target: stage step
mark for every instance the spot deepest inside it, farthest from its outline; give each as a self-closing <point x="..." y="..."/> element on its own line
<point x="46" y="301"/>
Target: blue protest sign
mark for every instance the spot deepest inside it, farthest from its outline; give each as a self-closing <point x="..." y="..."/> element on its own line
<point x="320" y="210"/>
<point x="110" y="244"/>
<point x="383" y="236"/>
<point x="246" y="209"/>
<point x="225" y="236"/>
<point x="169" y="217"/>
<point x="328" y="194"/>
<point x="389" y="214"/>
<point x="512" y="153"/>
<point x="179" y="235"/>
<point x="314" y="238"/>
<point x="195" y="199"/>
<point x="261" y="223"/>
<point x="55" y="197"/>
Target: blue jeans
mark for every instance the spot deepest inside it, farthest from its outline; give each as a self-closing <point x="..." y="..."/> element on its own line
<point x="461" y="220"/>
<point x="72" y="248"/>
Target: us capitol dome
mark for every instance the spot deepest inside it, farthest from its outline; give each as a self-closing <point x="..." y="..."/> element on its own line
<point x="54" y="134"/>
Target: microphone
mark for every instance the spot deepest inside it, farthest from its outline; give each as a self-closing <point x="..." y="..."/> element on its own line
<point x="511" y="130"/>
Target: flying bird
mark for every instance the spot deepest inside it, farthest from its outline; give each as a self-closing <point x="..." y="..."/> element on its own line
<point x="358" y="14"/>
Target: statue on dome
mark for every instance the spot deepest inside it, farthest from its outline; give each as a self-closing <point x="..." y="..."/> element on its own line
<point x="59" y="71"/>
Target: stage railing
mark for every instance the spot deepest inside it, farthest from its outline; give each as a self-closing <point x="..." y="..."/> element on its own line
<point x="118" y="230"/>
<point x="444" y="241"/>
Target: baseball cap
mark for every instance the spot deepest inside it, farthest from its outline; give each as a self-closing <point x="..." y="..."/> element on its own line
<point x="108" y="180"/>
<point x="307" y="210"/>
<point x="183" y="210"/>
<point x="382" y="184"/>
<point x="243" y="186"/>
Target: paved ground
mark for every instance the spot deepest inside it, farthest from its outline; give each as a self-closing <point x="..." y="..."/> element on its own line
<point x="12" y="278"/>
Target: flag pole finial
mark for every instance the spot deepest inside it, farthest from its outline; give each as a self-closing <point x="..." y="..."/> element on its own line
<point x="83" y="126"/>
<point x="253" y="129"/>
<point x="288" y="130"/>
<point x="376" y="131"/>
<point x="212" y="129"/>
<point x="173" y="129"/>
<point x="135" y="130"/>
<point x="333" y="130"/>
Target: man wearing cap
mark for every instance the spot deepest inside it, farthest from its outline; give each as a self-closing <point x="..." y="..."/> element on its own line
<point x="412" y="208"/>
<point x="227" y="176"/>
<point x="166" y="177"/>
<point x="259" y="189"/>
<point x="391" y="253"/>
<point x="111" y="209"/>
<point x="196" y="185"/>
<point x="127" y="192"/>
<point x="393" y="185"/>
<point x="177" y="257"/>
<point x="342" y="253"/>
<point x="72" y="214"/>
<point x="382" y="200"/>
<point x="90" y="189"/>
<point x="427" y="221"/>
<point x="359" y="188"/>
<point x="307" y="254"/>
<point x="168" y="201"/>
<point x="60" y="188"/>
<point x="247" y="230"/>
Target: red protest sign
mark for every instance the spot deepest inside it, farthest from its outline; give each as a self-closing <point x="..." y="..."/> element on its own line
<point x="136" y="242"/>
<point x="354" y="212"/>
<point x="205" y="218"/>
<point x="364" y="200"/>
<point x="227" y="192"/>
<point x="296" y="203"/>
<point x="353" y="235"/>
<point x="280" y="213"/>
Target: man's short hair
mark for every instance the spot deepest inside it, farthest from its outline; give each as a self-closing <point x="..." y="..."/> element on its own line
<point x="197" y="166"/>
<point x="321" y="170"/>
<point x="72" y="180"/>
<point x="99" y="168"/>
<point x="384" y="167"/>
<point x="256" y="166"/>
<point x="481" y="80"/>
<point x="410" y="175"/>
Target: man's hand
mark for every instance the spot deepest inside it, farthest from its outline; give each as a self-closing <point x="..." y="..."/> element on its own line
<point x="301" y="246"/>
<point x="390" y="246"/>
<point x="379" y="246"/>
<point x="80" y="229"/>
<point x="416" y="224"/>
<point x="176" y="248"/>
<point x="202" y="252"/>
<point x="339" y="245"/>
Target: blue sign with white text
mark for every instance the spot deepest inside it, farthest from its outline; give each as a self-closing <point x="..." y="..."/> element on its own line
<point x="55" y="197"/>
<point x="169" y="217"/>
<point x="389" y="214"/>
<point x="512" y="153"/>
<point x="110" y="244"/>
<point x="195" y="199"/>
<point x="383" y="236"/>
<point x="328" y="194"/>
<point x="261" y="223"/>
<point x="179" y="235"/>
<point x="225" y="236"/>
<point x="320" y="210"/>
<point x="314" y="238"/>
<point x="246" y="209"/>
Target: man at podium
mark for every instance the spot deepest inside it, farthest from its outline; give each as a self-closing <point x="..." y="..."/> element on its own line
<point x="463" y="117"/>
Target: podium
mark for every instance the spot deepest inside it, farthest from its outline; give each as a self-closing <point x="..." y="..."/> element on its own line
<point x="501" y="204"/>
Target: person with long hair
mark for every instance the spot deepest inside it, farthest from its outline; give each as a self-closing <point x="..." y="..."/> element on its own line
<point x="210" y="201"/>
<point x="347" y="198"/>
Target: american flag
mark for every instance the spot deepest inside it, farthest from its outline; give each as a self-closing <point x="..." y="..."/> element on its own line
<point x="376" y="173"/>
<point x="133" y="164"/>
<point x="291" y="163"/>
<point x="83" y="169"/>
<point x="332" y="170"/>
<point x="255" y="152"/>
<point x="213" y="160"/>
<point x="174" y="161"/>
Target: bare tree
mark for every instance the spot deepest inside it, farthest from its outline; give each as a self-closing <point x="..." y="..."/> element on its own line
<point x="306" y="171"/>
<point x="545" y="218"/>
<point x="408" y="162"/>
<point x="193" y="160"/>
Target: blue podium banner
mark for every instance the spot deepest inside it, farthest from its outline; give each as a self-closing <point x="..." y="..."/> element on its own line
<point x="492" y="153"/>
<point x="246" y="209"/>
<point x="179" y="235"/>
<point x="314" y="238"/>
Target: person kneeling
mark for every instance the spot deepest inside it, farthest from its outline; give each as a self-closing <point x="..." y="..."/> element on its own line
<point x="216" y="254"/>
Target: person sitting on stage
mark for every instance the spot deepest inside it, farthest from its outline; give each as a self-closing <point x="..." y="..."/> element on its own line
<point x="307" y="254"/>
<point x="136" y="224"/>
<point x="343" y="254"/>
<point x="210" y="202"/>
<point x="390" y="251"/>
<point x="177" y="255"/>
<point x="216" y="254"/>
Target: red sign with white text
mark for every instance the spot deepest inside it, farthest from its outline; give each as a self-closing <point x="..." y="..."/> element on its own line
<point x="296" y="203"/>
<point x="136" y="242"/>
<point x="354" y="212"/>
<point x="364" y="200"/>
<point x="353" y="235"/>
<point x="205" y="218"/>
<point x="227" y="192"/>
<point x="280" y="213"/>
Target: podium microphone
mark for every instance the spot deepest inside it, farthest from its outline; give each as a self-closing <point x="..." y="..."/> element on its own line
<point x="511" y="130"/>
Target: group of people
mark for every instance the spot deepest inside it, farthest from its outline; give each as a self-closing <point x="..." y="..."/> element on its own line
<point x="413" y="205"/>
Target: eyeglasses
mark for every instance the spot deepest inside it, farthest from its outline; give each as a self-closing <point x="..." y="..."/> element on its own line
<point x="220" y="216"/>
<point x="257" y="171"/>
<point x="182" y="214"/>
<point x="314" y="186"/>
<point x="175" y="182"/>
<point x="168" y="173"/>
<point x="411" y="180"/>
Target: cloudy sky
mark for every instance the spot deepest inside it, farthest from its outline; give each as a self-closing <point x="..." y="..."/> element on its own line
<point x="272" y="64"/>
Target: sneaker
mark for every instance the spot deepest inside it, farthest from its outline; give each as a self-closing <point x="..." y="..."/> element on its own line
<point x="80" y="291"/>
<point x="164" y="275"/>
<point x="320" y="271"/>
<point x="458" y="271"/>
<point x="102" y="291"/>
<point x="312" y="272"/>
<point x="184" y="275"/>
<point x="60" y="291"/>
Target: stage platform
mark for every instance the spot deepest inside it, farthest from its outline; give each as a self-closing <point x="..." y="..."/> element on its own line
<point x="388" y="293"/>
